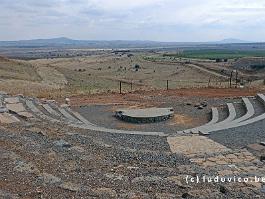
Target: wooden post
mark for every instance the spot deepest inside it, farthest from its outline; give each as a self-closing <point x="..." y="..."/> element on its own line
<point x="131" y="85"/>
<point x="231" y="79"/>
<point x="236" y="77"/>
<point x="120" y="87"/>
<point x="167" y="84"/>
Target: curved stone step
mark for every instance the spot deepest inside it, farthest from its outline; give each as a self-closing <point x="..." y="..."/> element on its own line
<point x="7" y="118"/>
<point x="19" y="109"/>
<point x="230" y="121"/>
<point x="207" y="128"/>
<point x="258" y="106"/>
<point x="90" y="126"/>
<point x="61" y="113"/>
<point x="249" y="111"/>
<point x="116" y="131"/>
<point x="12" y="100"/>
<point x="16" y="108"/>
<point x="215" y="117"/>
<point x="39" y="113"/>
<point x="50" y="110"/>
<point x="261" y="97"/>
<point x="86" y="124"/>
<point x="221" y="126"/>
<point x="231" y="115"/>
<point x="68" y="115"/>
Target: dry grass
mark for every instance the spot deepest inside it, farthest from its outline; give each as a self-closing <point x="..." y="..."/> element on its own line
<point x="21" y="70"/>
<point x="65" y="77"/>
<point x="103" y="73"/>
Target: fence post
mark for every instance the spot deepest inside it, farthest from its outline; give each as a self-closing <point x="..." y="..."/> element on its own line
<point x="236" y="77"/>
<point x="231" y="79"/>
<point x="167" y="84"/>
<point x="120" y="87"/>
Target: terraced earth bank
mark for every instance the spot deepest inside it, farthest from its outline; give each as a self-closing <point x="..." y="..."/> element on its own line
<point x="53" y="150"/>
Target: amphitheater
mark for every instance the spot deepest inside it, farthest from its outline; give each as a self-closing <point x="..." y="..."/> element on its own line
<point x="14" y="109"/>
<point x="56" y="149"/>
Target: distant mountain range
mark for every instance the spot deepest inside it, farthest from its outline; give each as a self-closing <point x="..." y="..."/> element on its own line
<point x="232" y="41"/>
<point x="66" y="42"/>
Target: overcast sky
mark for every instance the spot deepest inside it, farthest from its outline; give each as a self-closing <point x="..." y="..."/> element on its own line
<point x="161" y="20"/>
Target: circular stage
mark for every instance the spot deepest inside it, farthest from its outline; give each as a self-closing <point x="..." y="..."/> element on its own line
<point x="148" y="115"/>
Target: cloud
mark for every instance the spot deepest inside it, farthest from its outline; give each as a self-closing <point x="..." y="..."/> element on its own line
<point x="166" y="20"/>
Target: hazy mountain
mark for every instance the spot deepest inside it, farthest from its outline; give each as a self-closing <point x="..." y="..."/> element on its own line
<point x="66" y="42"/>
<point x="232" y="41"/>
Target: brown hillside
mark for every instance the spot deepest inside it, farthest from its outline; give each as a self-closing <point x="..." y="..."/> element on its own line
<point x="19" y="70"/>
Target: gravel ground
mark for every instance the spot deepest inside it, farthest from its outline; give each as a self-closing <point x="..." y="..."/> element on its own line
<point x="240" y="110"/>
<point x="242" y="136"/>
<point x="58" y="162"/>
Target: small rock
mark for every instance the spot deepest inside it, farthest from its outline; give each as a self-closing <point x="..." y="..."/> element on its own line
<point x="26" y="167"/>
<point x="200" y="107"/>
<point x="262" y="143"/>
<point x="185" y="195"/>
<point x="262" y="189"/>
<point x="204" y="104"/>
<point x="70" y="186"/>
<point x="3" y="110"/>
<point x="221" y="162"/>
<point x="49" y="178"/>
<point x="231" y="156"/>
<point x="78" y="149"/>
<point x="132" y="168"/>
<point x="197" y="105"/>
<point x="223" y="189"/>
<point x="37" y="131"/>
<point x="105" y="193"/>
<point x="62" y="143"/>
<point x="262" y="157"/>
<point x="52" y="156"/>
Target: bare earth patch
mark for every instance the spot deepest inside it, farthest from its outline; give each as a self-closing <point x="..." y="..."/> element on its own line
<point x="181" y="120"/>
<point x="126" y="126"/>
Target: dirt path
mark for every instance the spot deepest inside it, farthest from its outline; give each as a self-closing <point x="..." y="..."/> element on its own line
<point x="208" y="71"/>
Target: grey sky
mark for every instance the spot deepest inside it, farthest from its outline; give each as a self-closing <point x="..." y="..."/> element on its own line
<point x="163" y="20"/>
